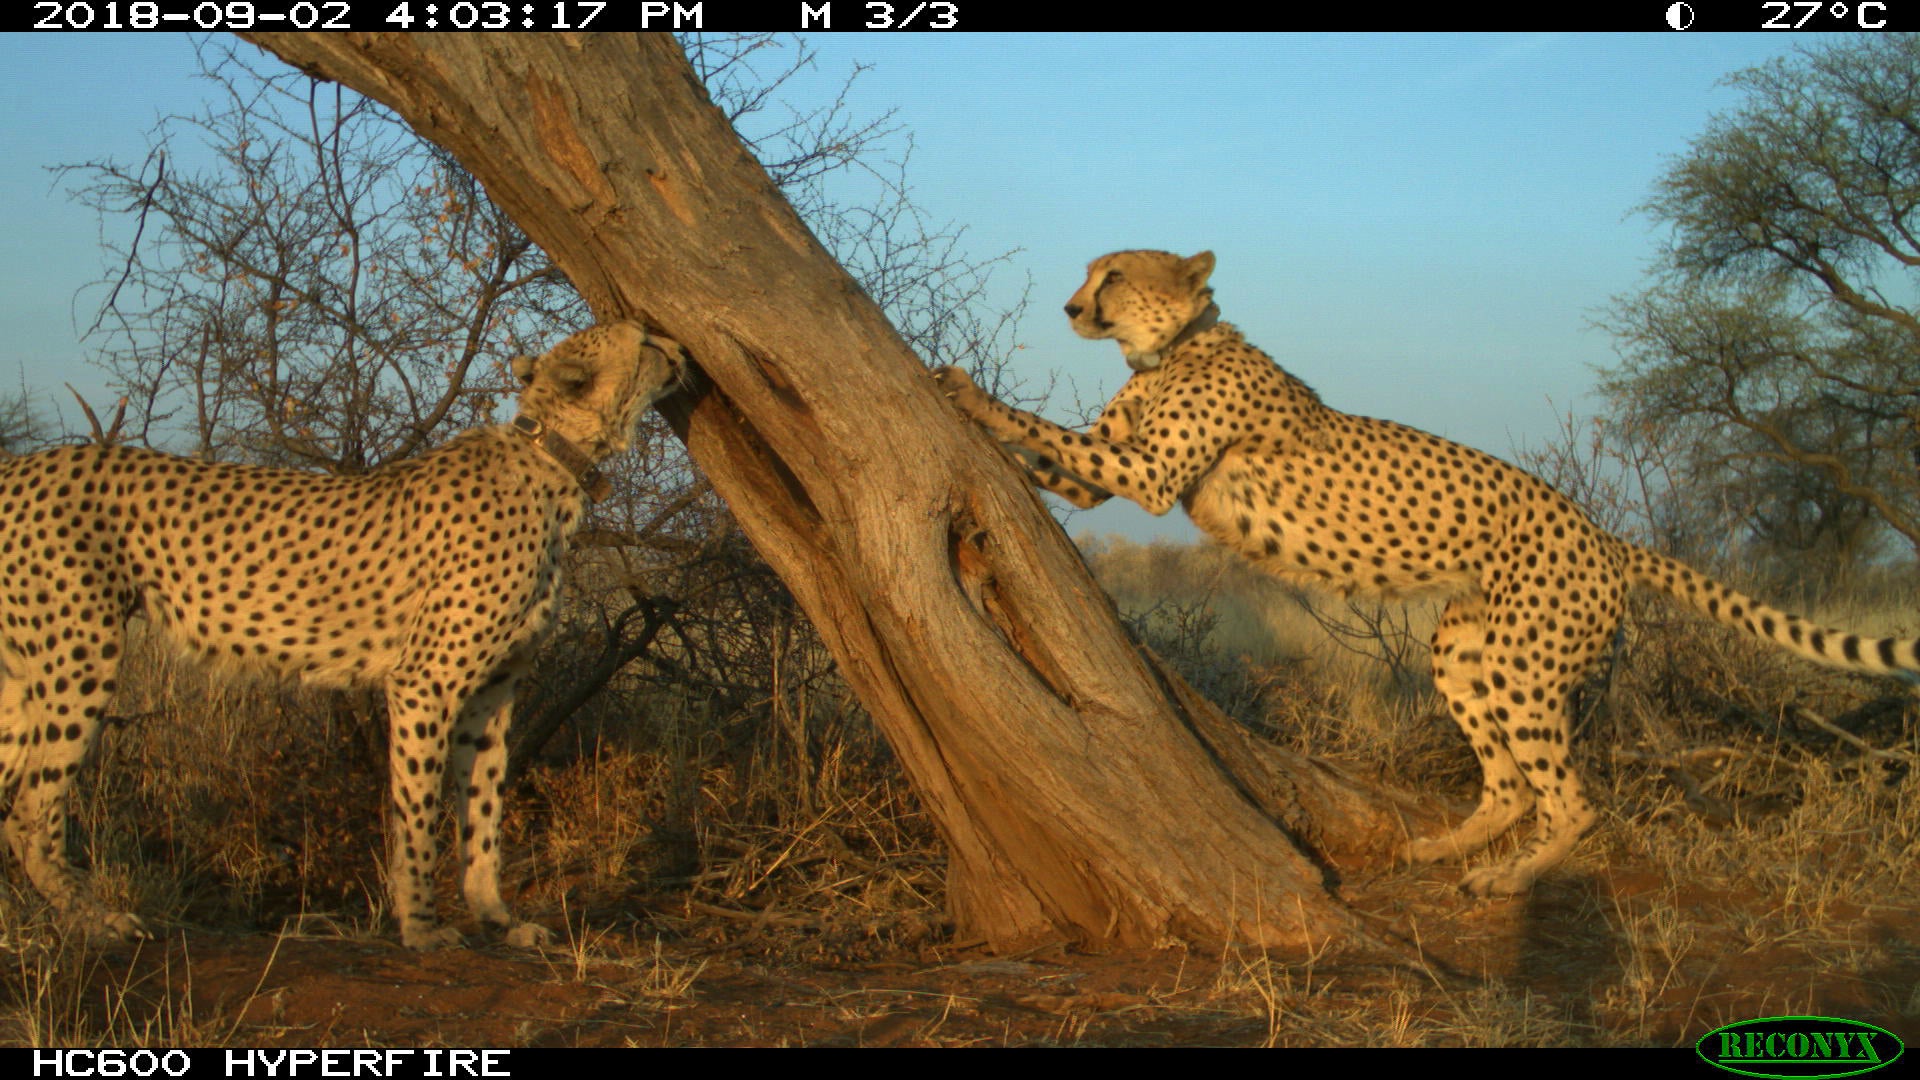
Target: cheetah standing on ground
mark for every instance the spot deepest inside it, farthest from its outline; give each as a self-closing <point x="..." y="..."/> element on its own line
<point x="1534" y="589"/>
<point x="433" y="578"/>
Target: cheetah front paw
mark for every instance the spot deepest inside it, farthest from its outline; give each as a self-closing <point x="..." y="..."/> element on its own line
<point x="528" y="935"/>
<point x="1501" y="879"/>
<point x="120" y="926"/>
<point x="427" y="937"/>
<point x="953" y="380"/>
<point x="1432" y="849"/>
<point x="962" y="391"/>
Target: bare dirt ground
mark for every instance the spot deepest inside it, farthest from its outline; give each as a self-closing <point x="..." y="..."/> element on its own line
<point x="1579" y="962"/>
<point x="751" y="883"/>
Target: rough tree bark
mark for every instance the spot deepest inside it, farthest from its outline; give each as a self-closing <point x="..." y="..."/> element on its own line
<point x="1083" y="791"/>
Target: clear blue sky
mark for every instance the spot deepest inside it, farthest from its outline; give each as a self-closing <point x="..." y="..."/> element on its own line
<point x="1420" y="227"/>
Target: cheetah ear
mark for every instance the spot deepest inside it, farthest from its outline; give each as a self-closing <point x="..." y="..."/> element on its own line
<point x="571" y="375"/>
<point x="522" y="368"/>
<point x="1197" y="269"/>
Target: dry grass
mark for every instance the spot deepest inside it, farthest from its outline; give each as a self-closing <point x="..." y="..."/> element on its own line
<point x="682" y="832"/>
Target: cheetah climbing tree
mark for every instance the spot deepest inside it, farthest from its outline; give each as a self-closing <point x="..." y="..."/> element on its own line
<point x="1082" y="790"/>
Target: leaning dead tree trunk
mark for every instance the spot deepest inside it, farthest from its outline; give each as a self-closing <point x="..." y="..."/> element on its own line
<point x="1083" y="791"/>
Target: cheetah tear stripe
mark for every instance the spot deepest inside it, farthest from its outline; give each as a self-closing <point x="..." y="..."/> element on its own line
<point x="433" y="578"/>
<point x="1533" y="589"/>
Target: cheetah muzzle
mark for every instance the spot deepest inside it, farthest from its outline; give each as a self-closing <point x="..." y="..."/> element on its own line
<point x="1533" y="589"/>
<point x="433" y="578"/>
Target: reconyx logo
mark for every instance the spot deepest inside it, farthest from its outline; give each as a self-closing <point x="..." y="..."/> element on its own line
<point x="1799" y="1047"/>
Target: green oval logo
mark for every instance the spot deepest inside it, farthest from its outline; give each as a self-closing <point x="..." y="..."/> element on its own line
<point x="1799" y="1047"/>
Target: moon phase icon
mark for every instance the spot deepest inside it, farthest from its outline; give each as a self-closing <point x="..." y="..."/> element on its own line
<point x="1679" y="15"/>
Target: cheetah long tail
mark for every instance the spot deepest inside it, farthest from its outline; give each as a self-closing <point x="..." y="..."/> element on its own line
<point x="1718" y="602"/>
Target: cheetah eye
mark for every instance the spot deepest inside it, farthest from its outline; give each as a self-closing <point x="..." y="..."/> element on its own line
<point x="1113" y="276"/>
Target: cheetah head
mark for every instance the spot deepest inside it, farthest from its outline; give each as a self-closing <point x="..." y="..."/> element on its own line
<point x="593" y="387"/>
<point x="1143" y="300"/>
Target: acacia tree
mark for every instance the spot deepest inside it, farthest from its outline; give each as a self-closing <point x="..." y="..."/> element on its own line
<point x="21" y="430"/>
<point x="302" y="279"/>
<point x="1080" y="789"/>
<point x="298" y="278"/>
<point x="1778" y="336"/>
<point x="309" y="283"/>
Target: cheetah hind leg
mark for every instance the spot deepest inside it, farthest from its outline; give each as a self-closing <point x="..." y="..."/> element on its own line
<point x="1536" y="736"/>
<point x="1563" y="819"/>
<point x="1459" y="674"/>
<point x="1534" y="724"/>
<point x="1532" y="708"/>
